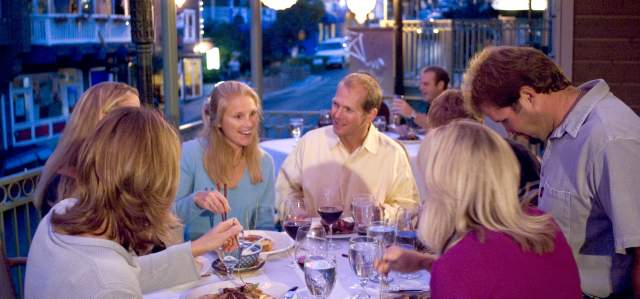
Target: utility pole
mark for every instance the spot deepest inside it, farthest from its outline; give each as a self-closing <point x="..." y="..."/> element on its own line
<point x="170" y="62"/>
<point x="142" y="36"/>
<point x="398" y="82"/>
<point x="256" y="46"/>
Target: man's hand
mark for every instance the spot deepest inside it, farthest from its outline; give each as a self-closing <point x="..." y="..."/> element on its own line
<point x="213" y="201"/>
<point x="402" y="107"/>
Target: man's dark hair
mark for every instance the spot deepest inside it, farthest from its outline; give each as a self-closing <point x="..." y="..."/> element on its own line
<point x="441" y="74"/>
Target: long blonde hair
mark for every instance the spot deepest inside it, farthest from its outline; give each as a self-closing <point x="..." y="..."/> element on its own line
<point x="127" y="178"/>
<point x="471" y="178"/>
<point x="219" y="154"/>
<point x="92" y="106"/>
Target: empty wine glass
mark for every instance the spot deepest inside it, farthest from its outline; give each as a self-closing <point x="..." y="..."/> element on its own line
<point x="230" y="259"/>
<point x="362" y="253"/>
<point x="324" y="119"/>
<point x="295" y="127"/>
<point x="309" y="241"/>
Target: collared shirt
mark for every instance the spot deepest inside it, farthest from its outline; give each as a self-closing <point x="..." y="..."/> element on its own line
<point x="321" y="163"/>
<point x="590" y="184"/>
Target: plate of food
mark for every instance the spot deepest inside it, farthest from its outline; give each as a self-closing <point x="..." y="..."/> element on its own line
<point x="342" y="229"/>
<point x="410" y="137"/>
<point x="231" y="290"/>
<point x="272" y="242"/>
<point x="219" y="266"/>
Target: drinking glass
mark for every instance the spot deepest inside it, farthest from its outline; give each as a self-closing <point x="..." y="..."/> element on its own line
<point x="380" y="122"/>
<point x="230" y="260"/>
<point x="325" y="118"/>
<point x="384" y="232"/>
<point x="295" y="127"/>
<point x="320" y="274"/>
<point x="362" y="210"/>
<point x="362" y="253"/>
<point x="309" y="241"/>
<point x="406" y="238"/>
<point x="295" y="217"/>
<point x="330" y="208"/>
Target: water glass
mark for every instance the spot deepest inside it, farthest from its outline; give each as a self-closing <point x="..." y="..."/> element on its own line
<point x="295" y="127"/>
<point x="309" y="241"/>
<point x="320" y="275"/>
<point x="325" y="118"/>
<point x="362" y="254"/>
<point x="362" y="210"/>
<point x="380" y="122"/>
<point x="406" y="238"/>
<point x="384" y="233"/>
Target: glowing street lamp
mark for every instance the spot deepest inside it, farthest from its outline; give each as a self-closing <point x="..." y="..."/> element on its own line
<point x="538" y="5"/>
<point x="279" y="4"/>
<point x="361" y="8"/>
<point x="180" y="3"/>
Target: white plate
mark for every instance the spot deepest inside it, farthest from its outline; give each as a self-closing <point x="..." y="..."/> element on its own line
<point x="281" y="241"/>
<point x="275" y="289"/>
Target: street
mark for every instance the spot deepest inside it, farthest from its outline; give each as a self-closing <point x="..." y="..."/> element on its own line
<point x="312" y="94"/>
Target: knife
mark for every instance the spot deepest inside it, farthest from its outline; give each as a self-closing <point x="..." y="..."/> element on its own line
<point x="290" y="293"/>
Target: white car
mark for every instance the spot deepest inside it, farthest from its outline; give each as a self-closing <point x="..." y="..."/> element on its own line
<point x="331" y="52"/>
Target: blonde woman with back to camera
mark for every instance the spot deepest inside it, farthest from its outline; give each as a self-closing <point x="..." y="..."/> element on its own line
<point x="57" y="180"/>
<point x="226" y="158"/>
<point x="91" y="246"/>
<point x="486" y="244"/>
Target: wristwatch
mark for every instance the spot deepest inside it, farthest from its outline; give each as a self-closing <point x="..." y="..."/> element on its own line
<point x="413" y="114"/>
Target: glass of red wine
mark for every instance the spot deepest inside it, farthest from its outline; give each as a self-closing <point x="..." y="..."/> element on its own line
<point x="330" y="209"/>
<point x="296" y="217"/>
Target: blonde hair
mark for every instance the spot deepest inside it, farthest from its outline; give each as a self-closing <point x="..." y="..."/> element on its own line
<point x="127" y="178"/>
<point x="460" y="199"/>
<point x="373" y="92"/>
<point x="219" y="154"/>
<point x="92" y="106"/>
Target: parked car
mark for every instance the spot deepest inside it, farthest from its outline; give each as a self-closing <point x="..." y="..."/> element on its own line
<point x="331" y="53"/>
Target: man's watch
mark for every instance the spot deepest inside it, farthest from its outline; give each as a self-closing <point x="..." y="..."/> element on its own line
<point x="413" y="115"/>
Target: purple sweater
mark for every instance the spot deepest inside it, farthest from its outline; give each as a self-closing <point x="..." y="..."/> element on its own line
<point x="499" y="268"/>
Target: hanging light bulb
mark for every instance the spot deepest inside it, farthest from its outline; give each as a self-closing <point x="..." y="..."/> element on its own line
<point x="361" y="8"/>
<point x="279" y="4"/>
<point x="180" y="3"/>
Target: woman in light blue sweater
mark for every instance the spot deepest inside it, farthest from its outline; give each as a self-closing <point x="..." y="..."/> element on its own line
<point x="227" y="156"/>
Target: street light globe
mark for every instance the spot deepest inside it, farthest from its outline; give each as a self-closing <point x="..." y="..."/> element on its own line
<point x="519" y="5"/>
<point x="180" y="3"/>
<point x="361" y="8"/>
<point x="279" y="4"/>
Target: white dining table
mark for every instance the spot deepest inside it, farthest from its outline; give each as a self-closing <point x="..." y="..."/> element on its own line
<point x="280" y="149"/>
<point x="280" y="269"/>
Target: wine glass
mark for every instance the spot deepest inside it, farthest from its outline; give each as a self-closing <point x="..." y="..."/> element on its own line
<point x="362" y="253"/>
<point x="362" y="210"/>
<point x="230" y="259"/>
<point x="295" y="127"/>
<point x="406" y="222"/>
<point x="295" y="217"/>
<point x="319" y="268"/>
<point x="324" y="119"/>
<point x="309" y="241"/>
<point x="384" y="232"/>
<point x="330" y="208"/>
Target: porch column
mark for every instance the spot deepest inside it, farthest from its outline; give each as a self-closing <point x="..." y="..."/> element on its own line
<point x="170" y="62"/>
<point x="256" y="46"/>
<point x="398" y="80"/>
<point x="142" y="36"/>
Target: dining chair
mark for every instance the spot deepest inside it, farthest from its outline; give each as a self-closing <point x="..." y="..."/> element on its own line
<point x="5" y="274"/>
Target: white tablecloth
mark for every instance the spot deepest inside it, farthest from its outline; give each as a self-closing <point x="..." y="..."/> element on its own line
<point x="278" y="268"/>
<point x="280" y="149"/>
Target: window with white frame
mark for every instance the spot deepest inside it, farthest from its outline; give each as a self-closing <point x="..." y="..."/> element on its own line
<point x="191" y="78"/>
<point x="190" y="26"/>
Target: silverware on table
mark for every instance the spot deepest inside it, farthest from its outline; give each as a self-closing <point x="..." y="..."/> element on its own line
<point x="290" y="293"/>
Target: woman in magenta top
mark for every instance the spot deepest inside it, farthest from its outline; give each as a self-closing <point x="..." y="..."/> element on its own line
<point x="486" y="244"/>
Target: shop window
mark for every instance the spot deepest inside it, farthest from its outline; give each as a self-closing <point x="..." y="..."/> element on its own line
<point x="192" y="77"/>
<point x="189" y="26"/>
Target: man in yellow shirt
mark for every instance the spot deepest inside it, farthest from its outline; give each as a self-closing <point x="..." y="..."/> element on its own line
<point x="350" y="157"/>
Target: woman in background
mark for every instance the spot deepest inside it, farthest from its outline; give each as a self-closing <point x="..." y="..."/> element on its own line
<point x="227" y="156"/>
<point x="486" y="244"/>
<point x="91" y="246"/>
<point x="57" y="180"/>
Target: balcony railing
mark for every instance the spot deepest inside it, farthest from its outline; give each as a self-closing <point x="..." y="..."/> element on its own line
<point x="65" y="29"/>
